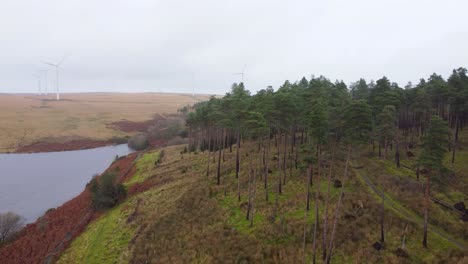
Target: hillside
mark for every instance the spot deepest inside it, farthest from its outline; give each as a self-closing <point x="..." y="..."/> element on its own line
<point x="175" y="213"/>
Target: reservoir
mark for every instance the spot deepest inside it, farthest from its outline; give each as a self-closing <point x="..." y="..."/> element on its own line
<point x="30" y="184"/>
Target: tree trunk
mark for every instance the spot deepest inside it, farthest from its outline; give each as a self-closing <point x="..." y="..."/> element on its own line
<point x="296" y="157"/>
<point x="455" y="138"/>
<point x="238" y="164"/>
<point x="253" y="196"/>
<point x="278" y="189"/>
<point x="284" y="157"/>
<point x="327" y="202"/>
<point x="219" y="159"/>
<point x="426" y="210"/>
<point x="266" y="169"/>
<point x="309" y="176"/>
<point x="397" y="145"/>
<point x="382" y="217"/>
<point x="279" y="166"/>
<point x="249" y="191"/>
<point x="380" y="149"/>
<point x="385" y="148"/>
<point x="209" y="145"/>
<point x="317" y="195"/>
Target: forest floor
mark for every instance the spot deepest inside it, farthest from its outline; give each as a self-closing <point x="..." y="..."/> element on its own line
<point x="176" y="213"/>
<point x="29" y="122"/>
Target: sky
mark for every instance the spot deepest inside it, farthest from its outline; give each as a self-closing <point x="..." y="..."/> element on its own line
<point x="177" y="46"/>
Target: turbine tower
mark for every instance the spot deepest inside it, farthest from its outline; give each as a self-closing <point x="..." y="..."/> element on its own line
<point x="56" y="65"/>
<point x="45" y="80"/>
<point x="39" y="92"/>
<point x="241" y="73"/>
<point x="193" y="84"/>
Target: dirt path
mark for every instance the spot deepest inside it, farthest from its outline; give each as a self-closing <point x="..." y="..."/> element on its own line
<point x="390" y="203"/>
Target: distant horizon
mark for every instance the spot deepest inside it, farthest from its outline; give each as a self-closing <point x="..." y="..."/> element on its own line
<point x="105" y="92"/>
<point x="207" y="45"/>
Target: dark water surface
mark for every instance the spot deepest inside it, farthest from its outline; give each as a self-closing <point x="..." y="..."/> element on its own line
<point x="32" y="183"/>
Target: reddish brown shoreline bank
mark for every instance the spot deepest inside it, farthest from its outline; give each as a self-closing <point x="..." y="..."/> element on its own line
<point x="50" y="234"/>
<point x="77" y="144"/>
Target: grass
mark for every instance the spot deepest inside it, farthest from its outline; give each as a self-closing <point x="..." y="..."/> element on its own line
<point x="237" y="217"/>
<point x="436" y="241"/>
<point x="187" y="218"/>
<point x="104" y="240"/>
<point x="144" y="165"/>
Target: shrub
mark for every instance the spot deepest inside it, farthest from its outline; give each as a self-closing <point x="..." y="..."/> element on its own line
<point x="105" y="192"/>
<point x="119" y="140"/>
<point x="166" y="129"/>
<point x="10" y="224"/>
<point x="138" y="142"/>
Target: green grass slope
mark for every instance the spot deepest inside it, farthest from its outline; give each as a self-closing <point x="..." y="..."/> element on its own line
<point x="183" y="216"/>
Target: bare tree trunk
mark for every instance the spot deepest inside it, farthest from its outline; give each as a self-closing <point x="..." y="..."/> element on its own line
<point x="380" y="149"/>
<point x="219" y="159"/>
<point x="296" y="157"/>
<point x="385" y="148"/>
<point x="305" y="214"/>
<point x="337" y="211"/>
<point x="249" y="191"/>
<point x="382" y="217"/>
<point x="279" y="166"/>
<point x="238" y="164"/>
<point x="309" y="176"/>
<point x="426" y="210"/>
<point x="317" y="195"/>
<point x="284" y="157"/>
<point x="397" y="145"/>
<point x="327" y="202"/>
<point x="278" y="189"/>
<point x="209" y="151"/>
<point x="253" y="198"/>
<point x="215" y="144"/>
<point x="266" y="169"/>
<point x="455" y="138"/>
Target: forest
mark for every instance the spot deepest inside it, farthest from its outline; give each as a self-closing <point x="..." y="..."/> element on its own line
<point x="310" y="128"/>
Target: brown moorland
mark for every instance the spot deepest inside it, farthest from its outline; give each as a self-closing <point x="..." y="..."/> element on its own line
<point x="88" y="118"/>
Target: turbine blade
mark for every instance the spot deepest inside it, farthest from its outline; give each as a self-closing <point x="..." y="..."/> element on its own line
<point x="49" y="63"/>
<point x="61" y="61"/>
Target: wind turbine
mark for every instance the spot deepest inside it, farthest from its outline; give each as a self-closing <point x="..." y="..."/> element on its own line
<point x="45" y="72"/>
<point x="39" y="92"/>
<point x="45" y="79"/>
<point x="56" y="65"/>
<point x="241" y="73"/>
<point x="193" y="84"/>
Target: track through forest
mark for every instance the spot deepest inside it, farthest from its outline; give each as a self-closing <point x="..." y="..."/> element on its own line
<point x="391" y="204"/>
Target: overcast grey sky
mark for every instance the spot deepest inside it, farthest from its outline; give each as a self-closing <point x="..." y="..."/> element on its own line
<point x="141" y="45"/>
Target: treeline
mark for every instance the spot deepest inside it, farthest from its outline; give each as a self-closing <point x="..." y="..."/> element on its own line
<point x="301" y="120"/>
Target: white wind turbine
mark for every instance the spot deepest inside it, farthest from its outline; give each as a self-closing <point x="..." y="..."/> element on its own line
<point x="193" y="84"/>
<point x="39" y="92"/>
<point x="241" y="73"/>
<point x="56" y="65"/>
<point x="44" y="72"/>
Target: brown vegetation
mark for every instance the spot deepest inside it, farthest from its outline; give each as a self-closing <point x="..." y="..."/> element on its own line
<point x="52" y="233"/>
<point x="27" y="119"/>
